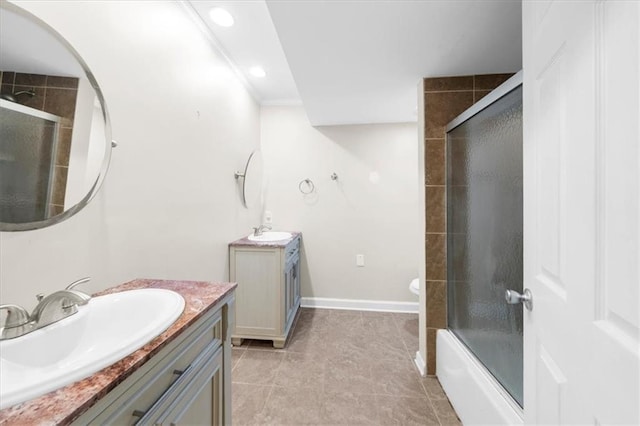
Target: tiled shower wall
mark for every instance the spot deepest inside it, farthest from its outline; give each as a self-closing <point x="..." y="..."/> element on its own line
<point x="444" y="99"/>
<point x="55" y="95"/>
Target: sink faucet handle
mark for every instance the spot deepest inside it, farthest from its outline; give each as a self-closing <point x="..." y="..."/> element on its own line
<point x="78" y="282"/>
<point x="16" y="316"/>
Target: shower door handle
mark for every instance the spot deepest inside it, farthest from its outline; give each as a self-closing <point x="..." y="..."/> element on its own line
<point x="513" y="298"/>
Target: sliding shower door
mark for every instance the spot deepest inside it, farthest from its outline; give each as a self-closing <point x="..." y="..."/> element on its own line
<point x="484" y="236"/>
<point x="27" y="153"/>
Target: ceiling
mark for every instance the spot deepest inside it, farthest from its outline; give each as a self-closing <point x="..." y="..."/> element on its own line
<point x="28" y="47"/>
<point x="354" y="62"/>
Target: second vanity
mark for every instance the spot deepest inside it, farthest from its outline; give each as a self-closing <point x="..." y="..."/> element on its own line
<point x="268" y="293"/>
<point x="183" y="376"/>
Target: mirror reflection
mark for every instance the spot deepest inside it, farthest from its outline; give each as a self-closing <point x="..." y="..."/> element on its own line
<point x="252" y="185"/>
<point x="54" y="147"/>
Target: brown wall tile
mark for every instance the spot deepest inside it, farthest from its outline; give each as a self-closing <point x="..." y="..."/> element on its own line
<point x="8" y="77"/>
<point x="59" y="185"/>
<point x="64" y="146"/>
<point x="479" y="94"/>
<point x="431" y="351"/>
<point x="448" y="83"/>
<point x="489" y="81"/>
<point x="36" y="101"/>
<point x="61" y="102"/>
<point x="30" y="80"/>
<point x="441" y="108"/>
<point x="62" y="82"/>
<point x="436" y="257"/>
<point x="434" y="161"/>
<point x="436" y="209"/>
<point x="55" y="209"/>
<point x="6" y="88"/>
<point x="436" y="304"/>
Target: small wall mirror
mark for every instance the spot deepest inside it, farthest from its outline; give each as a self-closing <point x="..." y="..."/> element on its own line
<point x="252" y="180"/>
<point x="55" y="141"/>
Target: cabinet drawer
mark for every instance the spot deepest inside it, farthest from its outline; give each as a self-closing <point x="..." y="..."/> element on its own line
<point x="174" y="403"/>
<point x="134" y="402"/>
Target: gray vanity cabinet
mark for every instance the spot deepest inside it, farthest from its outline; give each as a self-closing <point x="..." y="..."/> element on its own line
<point x="268" y="292"/>
<point x="188" y="382"/>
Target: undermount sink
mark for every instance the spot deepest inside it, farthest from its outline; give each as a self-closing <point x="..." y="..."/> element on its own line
<point x="270" y="236"/>
<point x="104" y="331"/>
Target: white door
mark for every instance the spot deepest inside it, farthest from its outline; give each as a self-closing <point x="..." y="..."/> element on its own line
<point x="581" y="62"/>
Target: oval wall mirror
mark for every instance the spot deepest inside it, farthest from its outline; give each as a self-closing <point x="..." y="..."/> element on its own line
<point x="55" y="142"/>
<point x="252" y="180"/>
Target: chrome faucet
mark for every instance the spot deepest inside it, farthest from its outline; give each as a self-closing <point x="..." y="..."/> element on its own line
<point x="50" y="309"/>
<point x="57" y="306"/>
<point x="16" y="323"/>
<point x="260" y="229"/>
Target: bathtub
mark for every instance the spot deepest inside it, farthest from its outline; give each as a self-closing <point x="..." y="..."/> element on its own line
<point x="475" y="395"/>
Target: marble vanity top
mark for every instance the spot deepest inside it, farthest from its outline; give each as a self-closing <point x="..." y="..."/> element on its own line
<point x="62" y="406"/>
<point x="246" y="242"/>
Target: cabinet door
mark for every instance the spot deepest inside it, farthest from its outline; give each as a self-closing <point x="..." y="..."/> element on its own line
<point x="296" y="283"/>
<point x="258" y="274"/>
<point x="289" y="294"/>
<point x="204" y="405"/>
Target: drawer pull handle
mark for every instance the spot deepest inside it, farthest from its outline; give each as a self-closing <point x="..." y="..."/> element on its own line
<point x="138" y="413"/>
<point x="178" y="372"/>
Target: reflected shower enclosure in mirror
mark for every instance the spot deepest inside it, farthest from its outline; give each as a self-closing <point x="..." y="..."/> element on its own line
<point x="55" y="142"/>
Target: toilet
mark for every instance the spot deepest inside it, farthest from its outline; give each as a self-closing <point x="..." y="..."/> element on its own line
<point x="414" y="287"/>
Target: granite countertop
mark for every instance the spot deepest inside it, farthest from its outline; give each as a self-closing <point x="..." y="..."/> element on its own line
<point x="64" y="405"/>
<point x="246" y="242"/>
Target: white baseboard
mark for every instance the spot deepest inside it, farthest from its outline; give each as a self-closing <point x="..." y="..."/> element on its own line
<point x="359" y="305"/>
<point x="421" y="364"/>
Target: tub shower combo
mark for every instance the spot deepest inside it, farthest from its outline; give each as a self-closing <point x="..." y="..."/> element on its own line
<point x="480" y="355"/>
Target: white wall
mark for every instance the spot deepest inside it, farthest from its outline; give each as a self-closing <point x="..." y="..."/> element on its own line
<point x="170" y="203"/>
<point x="354" y="215"/>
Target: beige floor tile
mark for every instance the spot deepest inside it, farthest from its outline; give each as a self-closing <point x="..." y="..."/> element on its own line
<point x="301" y="370"/>
<point x="248" y="402"/>
<point x="445" y="412"/>
<point x="339" y="367"/>
<point x="392" y="350"/>
<point x="382" y="327"/>
<point x="408" y="329"/>
<point x="433" y="388"/>
<point x="341" y="408"/>
<point x="294" y="406"/>
<point x="400" y="379"/>
<point x="394" y="410"/>
<point x="257" y="367"/>
<point x="235" y="357"/>
<point x="349" y="375"/>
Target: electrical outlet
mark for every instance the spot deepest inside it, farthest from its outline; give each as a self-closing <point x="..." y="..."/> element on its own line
<point x="268" y="217"/>
<point x="359" y="259"/>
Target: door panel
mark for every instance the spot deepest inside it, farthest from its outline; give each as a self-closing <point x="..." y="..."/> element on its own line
<point x="581" y="159"/>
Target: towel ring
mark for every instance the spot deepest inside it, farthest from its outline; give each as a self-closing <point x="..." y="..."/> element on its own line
<point x="306" y="186"/>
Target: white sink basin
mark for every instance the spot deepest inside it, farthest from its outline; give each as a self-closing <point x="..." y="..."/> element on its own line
<point x="270" y="236"/>
<point x="104" y="331"/>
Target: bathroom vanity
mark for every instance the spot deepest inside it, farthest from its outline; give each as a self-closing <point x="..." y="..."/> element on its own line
<point x="183" y="376"/>
<point x="268" y="293"/>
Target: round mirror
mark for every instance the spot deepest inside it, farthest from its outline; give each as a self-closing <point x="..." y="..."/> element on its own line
<point x="252" y="184"/>
<point x="55" y="139"/>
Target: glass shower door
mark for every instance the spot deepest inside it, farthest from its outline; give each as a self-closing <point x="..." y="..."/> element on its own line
<point x="27" y="155"/>
<point x="484" y="237"/>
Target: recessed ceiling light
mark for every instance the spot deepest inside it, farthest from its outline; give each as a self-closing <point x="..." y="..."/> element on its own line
<point x="221" y="17"/>
<point x="257" y="72"/>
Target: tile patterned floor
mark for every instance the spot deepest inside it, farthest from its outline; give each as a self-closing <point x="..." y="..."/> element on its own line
<point x="338" y="368"/>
